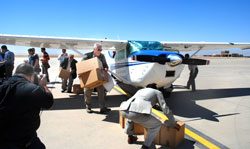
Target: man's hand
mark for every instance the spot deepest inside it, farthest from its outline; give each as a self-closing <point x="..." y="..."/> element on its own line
<point x="43" y="80"/>
<point x="162" y="120"/>
<point x="106" y="69"/>
<point x="177" y="126"/>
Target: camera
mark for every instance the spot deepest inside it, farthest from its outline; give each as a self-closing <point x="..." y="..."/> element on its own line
<point x="37" y="79"/>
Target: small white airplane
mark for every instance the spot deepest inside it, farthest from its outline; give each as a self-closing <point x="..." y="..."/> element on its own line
<point x="137" y="63"/>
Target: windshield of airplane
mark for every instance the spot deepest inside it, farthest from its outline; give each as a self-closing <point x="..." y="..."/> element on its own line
<point x="134" y="46"/>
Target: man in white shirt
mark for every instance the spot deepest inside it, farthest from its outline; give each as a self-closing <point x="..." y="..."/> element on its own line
<point x="62" y="56"/>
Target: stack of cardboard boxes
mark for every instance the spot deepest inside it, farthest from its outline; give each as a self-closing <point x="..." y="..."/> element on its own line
<point x="91" y="73"/>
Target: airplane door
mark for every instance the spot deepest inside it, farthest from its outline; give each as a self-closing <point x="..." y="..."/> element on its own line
<point x="121" y="64"/>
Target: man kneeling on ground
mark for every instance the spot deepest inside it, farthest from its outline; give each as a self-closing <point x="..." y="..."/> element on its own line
<point x="138" y="109"/>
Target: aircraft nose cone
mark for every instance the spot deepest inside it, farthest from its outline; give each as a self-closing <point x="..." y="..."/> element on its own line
<point x="174" y="59"/>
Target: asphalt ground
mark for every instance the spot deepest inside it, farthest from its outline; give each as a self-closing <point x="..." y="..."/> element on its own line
<point x="216" y="115"/>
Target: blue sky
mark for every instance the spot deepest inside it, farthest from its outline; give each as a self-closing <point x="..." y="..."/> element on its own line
<point x="157" y="20"/>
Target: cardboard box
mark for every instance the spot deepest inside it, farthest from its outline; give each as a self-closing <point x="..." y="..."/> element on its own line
<point x="169" y="136"/>
<point x="77" y="89"/>
<point x="64" y="74"/>
<point x="88" y="65"/>
<point x="138" y="129"/>
<point x="93" y="78"/>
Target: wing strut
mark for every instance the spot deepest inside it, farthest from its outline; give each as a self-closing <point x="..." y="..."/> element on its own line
<point x="69" y="47"/>
<point x="196" y="52"/>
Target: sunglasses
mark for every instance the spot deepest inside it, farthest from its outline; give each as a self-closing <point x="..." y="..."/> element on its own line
<point x="99" y="49"/>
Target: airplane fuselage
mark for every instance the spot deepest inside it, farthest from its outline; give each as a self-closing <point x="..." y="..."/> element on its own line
<point x="143" y="67"/>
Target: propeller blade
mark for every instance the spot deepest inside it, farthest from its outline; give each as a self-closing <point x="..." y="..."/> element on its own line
<point x="193" y="61"/>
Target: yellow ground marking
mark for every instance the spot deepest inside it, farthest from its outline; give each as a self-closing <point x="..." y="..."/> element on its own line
<point x="187" y="131"/>
<point x="122" y="91"/>
<point x="159" y="114"/>
<point x="200" y="139"/>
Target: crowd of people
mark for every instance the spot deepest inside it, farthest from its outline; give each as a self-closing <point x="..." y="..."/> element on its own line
<point x="19" y="109"/>
<point x="25" y="94"/>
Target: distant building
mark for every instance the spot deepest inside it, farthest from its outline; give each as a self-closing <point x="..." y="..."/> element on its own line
<point x="226" y="53"/>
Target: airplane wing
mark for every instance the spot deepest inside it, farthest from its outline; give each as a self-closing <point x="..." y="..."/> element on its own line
<point x="193" y="46"/>
<point x="58" y="42"/>
<point x="87" y="43"/>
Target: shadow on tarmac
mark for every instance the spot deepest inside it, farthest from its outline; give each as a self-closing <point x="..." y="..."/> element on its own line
<point x="213" y="93"/>
<point x="175" y="102"/>
<point x="77" y="102"/>
<point x="183" y="103"/>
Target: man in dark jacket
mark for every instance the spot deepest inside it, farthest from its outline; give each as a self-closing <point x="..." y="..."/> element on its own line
<point x="20" y="104"/>
<point x="69" y="63"/>
<point x="100" y="89"/>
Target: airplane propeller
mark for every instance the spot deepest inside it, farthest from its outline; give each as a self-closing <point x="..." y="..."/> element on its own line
<point x="172" y="59"/>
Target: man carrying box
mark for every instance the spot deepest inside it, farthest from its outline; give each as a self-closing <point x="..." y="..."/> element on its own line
<point x="100" y="89"/>
<point x="139" y="108"/>
<point x="69" y="63"/>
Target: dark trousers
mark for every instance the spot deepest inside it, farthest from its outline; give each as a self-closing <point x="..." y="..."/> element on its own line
<point x="45" y="67"/>
<point x="2" y="71"/>
<point x="66" y="84"/>
<point x="8" y="70"/>
<point x="191" y="80"/>
<point x="35" y="143"/>
<point x="101" y="95"/>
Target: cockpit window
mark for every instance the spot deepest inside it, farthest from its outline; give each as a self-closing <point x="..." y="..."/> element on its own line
<point x="134" y="46"/>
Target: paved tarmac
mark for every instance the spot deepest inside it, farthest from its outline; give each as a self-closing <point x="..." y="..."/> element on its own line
<point x="219" y="111"/>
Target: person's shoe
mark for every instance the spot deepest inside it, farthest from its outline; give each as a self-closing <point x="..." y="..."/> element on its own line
<point x="104" y="110"/>
<point x="89" y="110"/>
<point x="69" y="91"/>
<point x="132" y="139"/>
<point x="144" y="147"/>
<point x="63" y="90"/>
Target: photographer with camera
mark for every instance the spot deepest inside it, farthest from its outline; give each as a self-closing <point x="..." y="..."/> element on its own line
<point x="20" y="104"/>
